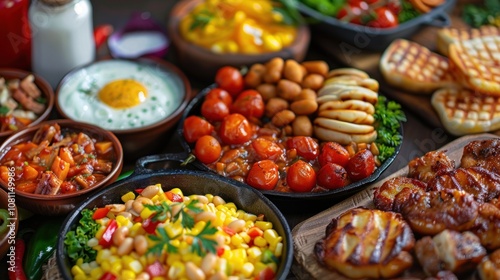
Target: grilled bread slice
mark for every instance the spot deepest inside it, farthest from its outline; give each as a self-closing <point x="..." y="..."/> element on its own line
<point x="476" y="64"/>
<point x="414" y="68"/>
<point x="449" y="35"/>
<point x="462" y="112"/>
<point x="367" y="243"/>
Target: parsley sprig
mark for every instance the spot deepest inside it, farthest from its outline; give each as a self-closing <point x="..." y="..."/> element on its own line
<point x="162" y="241"/>
<point x="202" y="243"/>
<point x="388" y="116"/>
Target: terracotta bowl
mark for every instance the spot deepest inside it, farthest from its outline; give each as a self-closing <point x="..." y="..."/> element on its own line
<point x="61" y="204"/>
<point x="203" y="63"/>
<point x="142" y="139"/>
<point x="41" y="83"/>
<point x="11" y="232"/>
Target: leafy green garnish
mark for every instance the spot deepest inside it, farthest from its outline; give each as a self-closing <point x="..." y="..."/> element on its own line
<point x="201" y="19"/>
<point x="164" y="211"/>
<point x="76" y="240"/>
<point x="388" y="116"/>
<point x="202" y="244"/>
<point x="162" y="241"/>
<point x="289" y="12"/>
<point x="408" y="12"/>
<point x="477" y="16"/>
<point x="4" y="110"/>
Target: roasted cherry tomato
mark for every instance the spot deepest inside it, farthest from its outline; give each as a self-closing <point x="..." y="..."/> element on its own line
<point x="230" y="79"/>
<point x="384" y="18"/>
<point x="352" y="11"/>
<point x="214" y="110"/>
<point x="301" y="177"/>
<point x="306" y="146"/>
<point x="361" y="165"/>
<point x="249" y="103"/>
<point x="332" y="176"/>
<point x="235" y="130"/>
<point x="207" y="149"/>
<point x="263" y="175"/>
<point x="333" y="152"/>
<point x="220" y="94"/>
<point x="266" y="149"/>
<point x="194" y="127"/>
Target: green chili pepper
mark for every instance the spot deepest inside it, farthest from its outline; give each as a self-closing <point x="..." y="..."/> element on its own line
<point x="41" y="246"/>
<point x="4" y="216"/>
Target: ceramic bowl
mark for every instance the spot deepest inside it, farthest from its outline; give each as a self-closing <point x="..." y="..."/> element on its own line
<point x="141" y="128"/>
<point x="61" y="204"/>
<point x="190" y="182"/>
<point x="10" y="234"/>
<point x="45" y="89"/>
<point x="203" y="63"/>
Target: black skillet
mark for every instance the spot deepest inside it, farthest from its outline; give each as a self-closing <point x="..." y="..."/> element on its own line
<point x="190" y="182"/>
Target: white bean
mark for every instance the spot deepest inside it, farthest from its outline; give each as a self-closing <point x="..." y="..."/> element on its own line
<point x="150" y="191"/>
<point x="140" y="244"/>
<point x="126" y="247"/>
<point x="119" y="235"/>
<point x="208" y="263"/>
<point x="217" y="200"/>
<point x="193" y="272"/>
<point x="237" y="225"/>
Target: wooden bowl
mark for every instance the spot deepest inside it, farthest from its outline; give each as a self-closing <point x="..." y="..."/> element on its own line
<point x="61" y="204"/>
<point x="203" y="63"/>
<point x="10" y="234"/>
<point x="41" y="83"/>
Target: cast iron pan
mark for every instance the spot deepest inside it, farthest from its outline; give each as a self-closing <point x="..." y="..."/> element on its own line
<point x="190" y="182"/>
<point x="280" y="198"/>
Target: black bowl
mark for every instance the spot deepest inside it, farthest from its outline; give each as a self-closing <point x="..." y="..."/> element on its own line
<point x="282" y="199"/>
<point x="190" y="182"/>
<point x="371" y="38"/>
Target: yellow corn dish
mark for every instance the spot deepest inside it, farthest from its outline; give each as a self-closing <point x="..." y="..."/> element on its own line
<point x="157" y="234"/>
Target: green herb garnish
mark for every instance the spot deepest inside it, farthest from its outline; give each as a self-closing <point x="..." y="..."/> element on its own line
<point x="477" y="16"/>
<point x="4" y="110"/>
<point x="201" y="19"/>
<point x="388" y="116"/>
<point x="408" y="12"/>
<point x="76" y="240"/>
<point x="162" y="241"/>
<point x="201" y="243"/>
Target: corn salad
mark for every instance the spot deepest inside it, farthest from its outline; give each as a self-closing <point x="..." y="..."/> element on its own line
<point x="156" y="234"/>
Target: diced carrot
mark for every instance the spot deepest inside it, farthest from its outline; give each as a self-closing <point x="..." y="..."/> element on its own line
<point x="28" y="187"/>
<point x="65" y="154"/>
<point x="29" y="173"/>
<point x="4" y="173"/>
<point x="60" y="168"/>
<point x="103" y="147"/>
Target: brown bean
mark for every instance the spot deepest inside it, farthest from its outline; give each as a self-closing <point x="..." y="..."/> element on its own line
<point x="255" y="74"/>
<point x="293" y="71"/>
<point x="306" y="93"/>
<point x="274" y="70"/>
<point x="288" y="90"/>
<point x="317" y="67"/>
<point x="140" y="244"/>
<point x="304" y="107"/>
<point x="313" y="81"/>
<point x="283" y="118"/>
<point x="302" y="126"/>
<point x="267" y="91"/>
<point x="275" y="105"/>
<point x="287" y="130"/>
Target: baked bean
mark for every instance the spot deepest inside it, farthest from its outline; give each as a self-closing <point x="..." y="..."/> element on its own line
<point x="267" y="91"/>
<point x="283" y="118"/>
<point x="317" y="67"/>
<point x="275" y="105"/>
<point x="255" y="74"/>
<point x="304" y="107"/>
<point x="293" y="71"/>
<point x="306" y="93"/>
<point x="287" y="89"/>
<point x="274" y="70"/>
<point x="313" y="81"/>
<point x="302" y="126"/>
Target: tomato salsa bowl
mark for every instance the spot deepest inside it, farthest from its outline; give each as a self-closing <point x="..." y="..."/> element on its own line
<point x="35" y="93"/>
<point x="55" y="165"/>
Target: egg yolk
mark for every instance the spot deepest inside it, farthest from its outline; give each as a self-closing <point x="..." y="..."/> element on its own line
<point x="123" y="93"/>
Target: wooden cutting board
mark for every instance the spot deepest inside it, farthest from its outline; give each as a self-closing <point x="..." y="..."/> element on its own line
<point x="306" y="234"/>
<point x="369" y="62"/>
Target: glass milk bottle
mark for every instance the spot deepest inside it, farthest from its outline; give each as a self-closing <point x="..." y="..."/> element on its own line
<point x="62" y="37"/>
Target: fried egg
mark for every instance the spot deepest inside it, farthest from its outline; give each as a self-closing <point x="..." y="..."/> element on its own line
<point x="120" y="94"/>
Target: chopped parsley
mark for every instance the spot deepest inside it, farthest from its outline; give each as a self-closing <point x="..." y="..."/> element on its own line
<point x="388" y="117"/>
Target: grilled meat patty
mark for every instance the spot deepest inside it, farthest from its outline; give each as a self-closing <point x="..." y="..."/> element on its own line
<point x="426" y="167"/>
<point x="484" y="153"/>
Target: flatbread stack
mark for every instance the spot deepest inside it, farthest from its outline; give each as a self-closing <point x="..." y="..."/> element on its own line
<point x="467" y="96"/>
<point x="346" y="107"/>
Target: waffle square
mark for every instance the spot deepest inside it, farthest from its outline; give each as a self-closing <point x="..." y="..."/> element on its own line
<point x="449" y="35"/>
<point x="476" y="63"/>
<point x="463" y="112"/>
<point x="413" y="67"/>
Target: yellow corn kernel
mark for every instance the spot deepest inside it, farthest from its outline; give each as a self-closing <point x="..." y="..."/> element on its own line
<point x="217" y="47"/>
<point x="279" y="250"/>
<point x="122" y="221"/>
<point x="259" y="266"/>
<point x="176" y="270"/>
<point x="105" y="265"/>
<point x="143" y="260"/>
<point x="79" y="261"/>
<point x="247" y="269"/>
<point x="128" y="196"/>
<point x="278" y="17"/>
<point x="210" y="197"/>
<point x="245" y="236"/>
<point x="272" y="237"/>
<point x="260" y="241"/>
<point x="76" y="270"/>
<point x="113" y="250"/>
<point x="136" y="229"/>
<point x="127" y="274"/>
<point x="159" y="278"/>
<point x="116" y="267"/>
<point x="96" y="272"/>
<point x="81" y="277"/>
<point x="254" y="253"/>
<point x="174" y="230"/>
<point x="263" y="225"/>
<point x="236" y="240"/>
<point x="102" y="255"/>
<point x="221" y="265"/>
<point x="146" y="213"/>
<point x="271" y="43"/>
<point x="231" y="47"/>
<point x="177" y="191"/>
<point x="173" y="258"/>
<point x="135" y="266"/>
<point x="86" y="268"/>
<point x="220" y="217"/>
<point x="100" y="232"/>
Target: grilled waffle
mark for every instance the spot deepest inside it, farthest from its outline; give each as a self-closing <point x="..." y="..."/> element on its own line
<point x="476" y="64"/>
<point x="367" y="243"/>
<point x="463" y="112"/>
<point x="450" y="35"/>
<point x="415" y="68"/>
